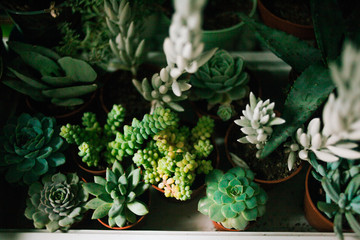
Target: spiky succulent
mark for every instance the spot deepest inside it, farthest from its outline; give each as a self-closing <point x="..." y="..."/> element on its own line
<point x="257" y="121"/>
<point x="117" y="196"/>
<point x="220" y="81"/>
<point x="57" y="202"/>
<point x="233" y="199"/>
<point x="45" y="76"/>
<point x="93" y="140"/>
<point x="30" y="147"/>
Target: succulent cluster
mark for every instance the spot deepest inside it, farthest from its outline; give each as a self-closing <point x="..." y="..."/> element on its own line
<point x="220" y="81"/>
<point x="30" y="147"/>
<point x="91" y="139"/>
<point x="117" y="196"/>
<point x="125" y="43"/>
<point x="174" y="157"/>
<point x="45" y="76"/>
<point x="57" y="202"/>
<point x="233" y="199"/>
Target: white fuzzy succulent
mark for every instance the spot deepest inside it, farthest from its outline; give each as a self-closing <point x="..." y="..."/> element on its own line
<point x="341" y="115"/>
<point x="257" y="121"/>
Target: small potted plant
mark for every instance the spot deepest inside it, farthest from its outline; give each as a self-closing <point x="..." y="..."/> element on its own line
<point x="118" y="197"/>
<point x="233" y="199"/>
<point x="30" y="147"/>
<point x="57" y="202"/>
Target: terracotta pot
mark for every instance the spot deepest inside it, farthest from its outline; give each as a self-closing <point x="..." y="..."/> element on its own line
<point x="312" y="213"/>
<point x="219" y="227"/>
<point x="264" y="183"/>
<point x="305" y="32"/>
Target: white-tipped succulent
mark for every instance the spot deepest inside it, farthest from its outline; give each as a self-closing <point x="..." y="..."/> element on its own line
<point x="125" y="43"/>
<point x="341" y="115"/>
<point x="257" y="121"/>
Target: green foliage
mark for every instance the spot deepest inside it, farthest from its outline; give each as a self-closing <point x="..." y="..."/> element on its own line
<point x="43" y="75"/>
<point x="174" y="157"/>
<point x="92" y="140"/>
<point x="57" y="202"/>
<point x="30" y="147"/>
<point x="117" y="196"/>
<point x="220" y="81"/>
<point x="233" y="199"/>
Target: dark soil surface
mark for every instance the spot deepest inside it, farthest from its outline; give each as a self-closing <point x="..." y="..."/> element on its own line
<point x="296" y="11"/>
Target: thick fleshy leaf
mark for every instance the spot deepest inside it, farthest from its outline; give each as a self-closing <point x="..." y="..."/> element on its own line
<point x="120" y="220"/>
<point x="94" y="188"/>
<point x="250" y="214"/>
<point x="228" y="212"/>
<point x="138" y="207"/>
<point x="56" y="159"/>
<point x="101" y="211"/>
<point x="238" y="207"/>
<point x="78" y="70"/>
<point x="215" y="213"/>
<point x="204" y="205"/>
<point x="94" y="203"/>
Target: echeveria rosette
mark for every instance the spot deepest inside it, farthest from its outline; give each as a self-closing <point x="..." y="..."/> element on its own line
<point x="232" y="198"/>
<point x="220" y="81"/>
<point x="30" y="147"/>
<point x="57" y="202"/>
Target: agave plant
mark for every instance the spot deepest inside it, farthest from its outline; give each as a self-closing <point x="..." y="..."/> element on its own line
<point x="220" y="81"/>
<point x="45" y="76"/>
<point x="57" y="202"/>
<point x="30" y="147"/>
<point x="233" y="199"/>
<point x="117" y="196"/>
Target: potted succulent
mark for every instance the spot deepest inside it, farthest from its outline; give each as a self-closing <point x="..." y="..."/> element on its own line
<point x="233" y="199"/>
<point x="175" y="157"/>
<point x="221" y="81"/>
<point x="57" y="202"/>
<point x="30" y="147"/>
<point x="44" y="76"/>
<point x="118" y="197"/>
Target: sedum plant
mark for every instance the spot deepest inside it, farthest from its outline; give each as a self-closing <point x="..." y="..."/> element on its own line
<point x="30" y="147"/>
<point x="45" y="76"/>
<point x="117" y="196"/>
<point x="233" y="198"/>
<point x="57" y="202"/>
<point x="174" y="157"/>
<point x="220" y="81"/>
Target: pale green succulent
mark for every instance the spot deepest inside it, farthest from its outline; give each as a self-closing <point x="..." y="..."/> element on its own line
<point x="57" y="202"/>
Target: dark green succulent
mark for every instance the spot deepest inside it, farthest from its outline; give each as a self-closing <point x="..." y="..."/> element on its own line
<point x="57" y="202"/>
<point x="220" y="81"/>
<point x="30" y="147"/>
<point x="233" y="199"/>
<point x="117" y="196"/>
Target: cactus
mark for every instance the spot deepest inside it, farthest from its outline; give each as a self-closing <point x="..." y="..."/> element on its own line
<point x="57" y="202"/>
<point x="30" y="147"/>
<point x="220" y="81"/>
<point x="61" y="80"/>
<point x="117" y="196"/>
<point x="233" y="199"/>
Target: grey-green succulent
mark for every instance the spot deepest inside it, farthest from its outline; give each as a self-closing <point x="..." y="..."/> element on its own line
<point x="117" y="196"/>
<point x="30" y="147"/>
<point x="45" y="76"/>
<point x="233" y="199"/>
<point x="57" y="202"/>
<point x="220" y="81"/>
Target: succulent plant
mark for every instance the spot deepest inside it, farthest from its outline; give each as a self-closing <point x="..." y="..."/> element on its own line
<point x="30" y="147"/>
<point x="117" y="196"/>
<point x="92" y="140"/>
<point x="233" y="199"/>
<point x="45" y="76"/>
<point x="220" y="81"/>
<point x="57" y="202"/>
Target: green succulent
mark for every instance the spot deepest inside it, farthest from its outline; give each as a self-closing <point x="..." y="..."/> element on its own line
<point x="57" y="202"/>
<point x="220" y="81"/>
<point x="117" y="196"/>
<point x="233" y="199"/>
<point x="30" y="147"/>
<point x="45" y="76"/>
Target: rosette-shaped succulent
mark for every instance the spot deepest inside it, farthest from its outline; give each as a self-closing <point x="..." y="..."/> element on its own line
<point x="56" y="202"/>
<point x="30" y="147"/>
<point x="233" y="199"/>
<point x="220" y="81"/>
<point x="117" y="196"/>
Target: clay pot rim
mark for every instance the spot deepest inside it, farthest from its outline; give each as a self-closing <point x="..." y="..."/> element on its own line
<point x="220" y="227"/>
<point x="284" y="21"/>
<point x="261" y="181"/>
